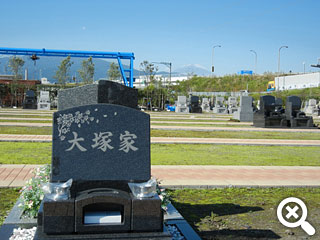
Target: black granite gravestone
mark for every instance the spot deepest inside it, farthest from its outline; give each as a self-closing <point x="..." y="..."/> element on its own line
<point x="30" y="100"/>
<point x="294" y="116"/>
<point x="194" y="105"/>
<point x="269" y="114"/>
<point x="102" y="148"/>
<point x="106" y="137"/>
<point x="102" y="92"/>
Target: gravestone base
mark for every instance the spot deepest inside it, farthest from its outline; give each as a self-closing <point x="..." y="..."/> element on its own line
<point x="181" y="109"/>
<point x="232" y="110"/>
<point x="165" y="235"/>
<point x="259" y="120"/>
<point x="243" y="116"/>
<point x="43" y="106"/>
<point x="220" y="110"/>
<point x="196" y="110"/>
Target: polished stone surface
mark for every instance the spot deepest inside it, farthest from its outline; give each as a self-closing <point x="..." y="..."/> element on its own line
<point x="101" y="142"/>
<point x="103" y="92"/>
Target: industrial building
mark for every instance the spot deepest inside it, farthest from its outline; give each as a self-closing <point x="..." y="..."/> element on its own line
<point x="300" y="81"/>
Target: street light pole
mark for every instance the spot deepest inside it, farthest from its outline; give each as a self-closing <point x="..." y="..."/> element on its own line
<point x="212" y="69"/>
<point x="255" y="62"/>
<point x="279" y="65"/>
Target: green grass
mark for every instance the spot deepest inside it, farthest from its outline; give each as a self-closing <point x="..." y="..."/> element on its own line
<point x="8" y="197"/>
<point x="182" y="154"/>
<point x="185" y="134"/>
<point x="197" y="154"/>
<point x="236" y="134"/>
<point x="27" y="121"/>
<point x="25" y="130"/>
<point x="25" y="153"/>
<point x="241" y="213"/>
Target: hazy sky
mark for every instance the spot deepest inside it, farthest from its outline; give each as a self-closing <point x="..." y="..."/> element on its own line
<point x="181" y="32"/>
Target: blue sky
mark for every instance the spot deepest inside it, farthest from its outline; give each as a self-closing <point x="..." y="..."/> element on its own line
<point x="181" y="32"/>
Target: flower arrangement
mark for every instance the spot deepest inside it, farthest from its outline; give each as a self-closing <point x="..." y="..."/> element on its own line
<point x="163" y="195"/>
<point x="32" y="193"/>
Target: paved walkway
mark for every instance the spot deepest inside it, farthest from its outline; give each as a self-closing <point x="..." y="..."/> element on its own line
<point x="25" y="119"/>
<point x="177" y="140"/>
<point x="198" y="176"/>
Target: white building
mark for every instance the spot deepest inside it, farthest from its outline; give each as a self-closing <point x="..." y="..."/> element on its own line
<point x="141" y="81"/>
<point x="307" y="80"/>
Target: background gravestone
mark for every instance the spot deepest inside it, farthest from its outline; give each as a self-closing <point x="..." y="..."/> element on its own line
<point x="232" y="105"/>
<point x="44" y="101"/>
<point x="311" y="107"/>
<point x="103" y="92"/>
<point x="219" y="106"/>
<point x="181" y="106"/>
<point x="245" y="110"/>
<point x="205" y="105"/>
<point x="101" y="142"/>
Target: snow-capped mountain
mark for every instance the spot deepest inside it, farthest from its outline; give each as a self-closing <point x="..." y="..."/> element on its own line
<point x="190" y="69"/>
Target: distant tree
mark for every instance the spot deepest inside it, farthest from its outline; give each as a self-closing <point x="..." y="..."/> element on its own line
<point x="114" y="72"/>
<point x="62" y="74"/>
<point x="87" y="71"/>
<point x="149" y="71"/>
<point x="16" y="64"/>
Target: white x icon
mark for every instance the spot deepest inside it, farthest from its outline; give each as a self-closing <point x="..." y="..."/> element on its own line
<point x="292" y="212"/>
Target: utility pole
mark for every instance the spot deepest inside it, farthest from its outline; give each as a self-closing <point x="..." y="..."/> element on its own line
<point x="279" y="66"/>
<point x="255" y="62"/>
<point x="212" y="68"/>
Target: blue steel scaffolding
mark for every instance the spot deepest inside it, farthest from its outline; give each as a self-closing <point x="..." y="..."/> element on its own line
<point x="127" y="80"/>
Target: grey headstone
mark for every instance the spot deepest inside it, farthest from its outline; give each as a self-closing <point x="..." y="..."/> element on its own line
<point x="205" y="105"/>
<point x="78" y="151"/>
<point x="245" y="111"/>
<point x="312" y="108"/>
<point x="44" y="101"/>
<point x="219" y="106"/>
<point x="103" y="92"/>
<point x="181" y="105"/>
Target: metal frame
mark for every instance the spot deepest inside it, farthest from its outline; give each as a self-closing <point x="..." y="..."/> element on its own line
<point x="128" y="81"/>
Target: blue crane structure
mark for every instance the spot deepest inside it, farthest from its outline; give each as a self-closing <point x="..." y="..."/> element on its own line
<point x="34" y="53"/>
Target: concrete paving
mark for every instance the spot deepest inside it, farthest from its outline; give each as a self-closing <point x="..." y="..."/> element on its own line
<point x="180" y="176"/>
<point x="177" y="140"/>
<point x="25" y="119"/>
<point x="25" y="124"/>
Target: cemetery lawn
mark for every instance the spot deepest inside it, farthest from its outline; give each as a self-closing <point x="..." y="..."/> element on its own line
<point x="8" y="197"/>
<point x="182" y="154"/>
<point x="25" y="153"/>
<point x="236" y="134"/>
<point x="206" y="154"/>
<point x="185" y="134"/>
<point x="243" y="213"/>
<point x="25" y="130"/>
